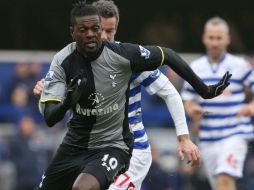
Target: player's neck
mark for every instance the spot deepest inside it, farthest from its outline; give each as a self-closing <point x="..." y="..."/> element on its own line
<point x="216" y="59"/>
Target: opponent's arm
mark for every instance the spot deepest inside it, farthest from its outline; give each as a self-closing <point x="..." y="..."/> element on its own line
<point x="38" y="88"/>
<point x="175" y="106"/>
<point x="176" y="109"/>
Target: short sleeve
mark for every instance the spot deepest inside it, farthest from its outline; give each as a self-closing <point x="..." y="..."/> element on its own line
<point x="153" y="81"/>
<point x="55" y="83"/>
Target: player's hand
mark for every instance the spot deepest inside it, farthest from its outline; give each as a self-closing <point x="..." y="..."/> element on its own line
<point x="246" y="110"/>
<point x="217" y="89"/>
<point x="187" y="149"/>
<point x="196" y="112"/>
<point x="193" y="110"/>
<point x="38" y="88"/>
<point x="74" y="90"/>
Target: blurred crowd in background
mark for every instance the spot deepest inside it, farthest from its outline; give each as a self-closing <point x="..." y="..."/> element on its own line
<point x="27" y="144"/>
<point x="177" y="24"/>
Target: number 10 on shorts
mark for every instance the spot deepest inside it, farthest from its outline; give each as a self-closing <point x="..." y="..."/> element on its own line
<point x="109" y="162"/>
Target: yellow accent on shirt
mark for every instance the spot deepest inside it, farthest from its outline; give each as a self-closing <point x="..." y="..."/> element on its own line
<point x="162" y="54"/>
<point x="51" y="99"/>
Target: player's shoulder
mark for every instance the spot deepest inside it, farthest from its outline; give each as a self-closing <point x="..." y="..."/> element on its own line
<point x="199" y="62"/>
<point x="119" y="46"/>
<point x="64" y="53"/>
<point x="236" y="60"/>
<point x="237" y="63"/>
<point x="152" y="74"/>
<point x="124" y="50"/>
<point x="149" y="76"/>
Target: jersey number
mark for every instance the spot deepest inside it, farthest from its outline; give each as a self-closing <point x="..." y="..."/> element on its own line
<point x="109" y="162"/>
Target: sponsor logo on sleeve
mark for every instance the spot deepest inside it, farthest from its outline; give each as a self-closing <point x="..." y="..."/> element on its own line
<point x="144" y="52"/>
<point x="49" y="77"/>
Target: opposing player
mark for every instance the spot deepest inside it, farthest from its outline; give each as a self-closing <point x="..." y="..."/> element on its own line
<point x="90" y="77"/>
<point x="155" y="83"/>
<point x="225" y="124"/>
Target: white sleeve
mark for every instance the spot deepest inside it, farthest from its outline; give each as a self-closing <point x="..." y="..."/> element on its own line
<point x="175" y="106"/>
<point x="188" y="93"/>
<point x="152" y="80"/>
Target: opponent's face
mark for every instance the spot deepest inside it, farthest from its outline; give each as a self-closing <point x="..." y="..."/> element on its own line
<point x="216" y="39"/>
<point x="87" y="33"/>
<point x="108" y="28"/>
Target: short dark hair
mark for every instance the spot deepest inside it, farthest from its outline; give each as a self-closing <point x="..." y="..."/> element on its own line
<point x="107" y="9"/>
<point x="217" y="21"/>
<point x="81" y="8"/>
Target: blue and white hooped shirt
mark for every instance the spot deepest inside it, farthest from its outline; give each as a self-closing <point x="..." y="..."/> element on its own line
<point x="153" y="81"/>
<point x="221" y="121"/>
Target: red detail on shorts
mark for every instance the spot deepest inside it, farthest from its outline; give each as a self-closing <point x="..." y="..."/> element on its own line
<point x="116" y="179"/>
<point x="131" y="186"/>
<point x="231" y="161"/>
<point x="127" y="177"/>
<point x="121" y="180"/>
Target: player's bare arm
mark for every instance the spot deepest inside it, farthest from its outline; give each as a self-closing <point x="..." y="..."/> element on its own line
<point x="38" y="88"/>
<point x="193" y="110"/>
<point x="247" y="110"/>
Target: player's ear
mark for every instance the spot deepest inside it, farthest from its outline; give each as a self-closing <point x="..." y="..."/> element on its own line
<point x="116" y="27"/>
<point x="203" y="38"/>
<point x="228" y="39"/>
<point x="71" y="32"/>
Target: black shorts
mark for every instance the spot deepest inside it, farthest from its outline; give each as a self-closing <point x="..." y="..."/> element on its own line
<point x="104" y="164"/>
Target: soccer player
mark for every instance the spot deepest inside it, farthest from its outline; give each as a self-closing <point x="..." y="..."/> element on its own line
<point x="91" y="77"/>
<point x="155" y="83"/>
<point x="224" y="122"/>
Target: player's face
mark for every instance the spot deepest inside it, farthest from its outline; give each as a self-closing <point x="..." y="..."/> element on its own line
<point x="216" y="39"/>
<point x="108" y="28"/>
<point x="87" y="33"/>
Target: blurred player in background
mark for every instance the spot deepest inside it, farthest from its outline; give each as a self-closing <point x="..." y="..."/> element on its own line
<point x="90" y="77"/>
<point x="224" y="122"/>
<point x="155" y="83"/>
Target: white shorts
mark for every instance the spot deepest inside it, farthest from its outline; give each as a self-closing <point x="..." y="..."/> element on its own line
<point x="139" y="166"/>
<point x="226" y="156"/>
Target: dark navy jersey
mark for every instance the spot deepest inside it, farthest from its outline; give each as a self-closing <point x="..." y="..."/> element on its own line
<point x="100" y="118"/>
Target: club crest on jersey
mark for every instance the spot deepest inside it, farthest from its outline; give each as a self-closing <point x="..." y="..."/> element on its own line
<point x="155" y="74"/>
<point x="49" y="77"/>
<point x="113" y="76"/>
<point x="144" y="52"/>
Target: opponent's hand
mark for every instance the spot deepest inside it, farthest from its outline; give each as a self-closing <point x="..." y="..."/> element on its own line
<point x="196" y="112"/>
<point x="217" y="89"/>
<point x="246" y="110"/>
<point x="187" y="148"/>
<point x="38" y="88"/>
<point x="74" y="91"/>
